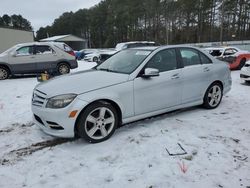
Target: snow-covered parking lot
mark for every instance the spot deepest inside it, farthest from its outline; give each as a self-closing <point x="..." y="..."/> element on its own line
<point x="217" y="143"/>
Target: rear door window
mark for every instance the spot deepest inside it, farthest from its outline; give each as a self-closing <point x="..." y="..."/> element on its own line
<point x="64" y="47"/>
<point x="205" y="59"/>
<point x="190" y="57"/>
<point x="230" y="51"/>
<point x="44" y="49"/>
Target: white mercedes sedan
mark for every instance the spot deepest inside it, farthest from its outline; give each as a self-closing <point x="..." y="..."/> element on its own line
<point x="131" y="85"/>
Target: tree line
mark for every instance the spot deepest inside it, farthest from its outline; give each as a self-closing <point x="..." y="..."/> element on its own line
<point x="163" y="21"/>
<point x="15" y="21"/>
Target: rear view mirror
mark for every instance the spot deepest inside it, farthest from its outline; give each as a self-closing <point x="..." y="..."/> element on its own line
<point x="150" y="72"/>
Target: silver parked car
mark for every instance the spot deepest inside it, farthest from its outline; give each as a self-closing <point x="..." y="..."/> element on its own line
<point x="37" y="57"/>
<point x="131" y="85"/>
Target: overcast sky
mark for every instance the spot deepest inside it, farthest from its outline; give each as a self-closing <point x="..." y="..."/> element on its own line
<point x="42" y="12"/>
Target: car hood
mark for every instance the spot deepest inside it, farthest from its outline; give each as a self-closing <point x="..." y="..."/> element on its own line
<point x="109" y="52"/>
<point x="81" y="82"/>
<point x="3" y="57"/>
<point x="91" y="55"/>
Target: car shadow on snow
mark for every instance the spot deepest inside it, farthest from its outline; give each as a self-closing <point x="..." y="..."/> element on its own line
<point x="23" y="76"/>
<point x="15" y="155"/>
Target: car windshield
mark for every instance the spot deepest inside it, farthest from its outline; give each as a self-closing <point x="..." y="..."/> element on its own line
<point x="125" y="61"/>
<point x="120" y="46"/>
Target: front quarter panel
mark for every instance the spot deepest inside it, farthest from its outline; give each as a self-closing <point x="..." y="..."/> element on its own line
<point x="121" y="94"/>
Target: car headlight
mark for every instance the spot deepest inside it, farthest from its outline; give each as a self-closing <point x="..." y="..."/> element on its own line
<point x="60" y="101"/>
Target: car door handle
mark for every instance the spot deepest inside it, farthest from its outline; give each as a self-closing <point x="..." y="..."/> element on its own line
<point x="32" y="57"/>
<point x="175" y="76"/>
<point x="206" y="69"/>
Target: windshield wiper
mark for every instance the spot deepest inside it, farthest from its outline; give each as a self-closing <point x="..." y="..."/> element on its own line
<point x="103" y="69"/>
<point x="108" y="70"/>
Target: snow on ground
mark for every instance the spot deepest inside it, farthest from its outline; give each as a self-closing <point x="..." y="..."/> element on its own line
<point x="217" y="144"/>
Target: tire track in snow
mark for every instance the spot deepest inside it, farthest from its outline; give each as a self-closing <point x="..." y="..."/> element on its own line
<point x="16" y="155"/>
<point x="15" y="126"/>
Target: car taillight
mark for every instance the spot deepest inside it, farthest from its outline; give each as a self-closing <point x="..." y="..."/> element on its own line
<point x="71" y="53"/>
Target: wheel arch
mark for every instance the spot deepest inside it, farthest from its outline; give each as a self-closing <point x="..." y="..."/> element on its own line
<point x="64" y="61"/>
<point x="216" y="81"/>
<point x="242" y="62"/>
<point x="6" y="66"/>
<point x="113" y="103"/>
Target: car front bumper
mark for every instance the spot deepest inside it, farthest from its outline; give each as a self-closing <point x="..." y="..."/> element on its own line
<point x="56" y="122"/>
<point x="87" y="59"/>
<point x="245" y="73"/>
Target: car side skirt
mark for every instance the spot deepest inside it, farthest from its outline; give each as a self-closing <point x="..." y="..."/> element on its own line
<point x="162" y="111"/>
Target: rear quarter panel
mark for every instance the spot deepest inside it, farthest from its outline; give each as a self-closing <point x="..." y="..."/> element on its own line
<point x="221" y="72"/>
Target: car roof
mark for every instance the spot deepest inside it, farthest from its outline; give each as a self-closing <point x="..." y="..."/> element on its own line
<point x="152" y="48"/>
<point x="216" y="48"/>
<point x="38" y="43"/>
<point x="133" y="42"/>
<point x="221" y="48"/>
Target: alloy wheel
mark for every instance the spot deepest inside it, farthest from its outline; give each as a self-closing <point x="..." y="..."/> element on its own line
<point x="99" y="123"/>
<point x="214" y="96"/>
<point x="63" y="69"/>
<point x="3" y="74"/>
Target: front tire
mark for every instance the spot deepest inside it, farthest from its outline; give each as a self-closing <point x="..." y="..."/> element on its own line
<point x="63" y="68"/>
<point x="4" y="73"/>
<point x="97" y="122"/>
<point x="213" y="96"/>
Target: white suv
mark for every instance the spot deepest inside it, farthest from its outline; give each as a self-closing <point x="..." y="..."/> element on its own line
<point x="37" y="57"/>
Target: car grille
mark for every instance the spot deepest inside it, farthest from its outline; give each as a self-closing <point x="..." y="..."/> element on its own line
<point x="38" y="98"/>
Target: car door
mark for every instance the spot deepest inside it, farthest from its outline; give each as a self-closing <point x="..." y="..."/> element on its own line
<point x="161" y="92"/>
<point x="46" y="58"/>
<point x="196" y="75"/>
<point x="23" y="60"/>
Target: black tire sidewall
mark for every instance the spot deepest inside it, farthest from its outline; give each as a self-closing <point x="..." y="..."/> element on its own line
<point x="61" y="64"/>
<point x="8" y="72"/>
<point x="82" y="118"/>
<point x="205" y="100"/>
<point x="95" y="59"/>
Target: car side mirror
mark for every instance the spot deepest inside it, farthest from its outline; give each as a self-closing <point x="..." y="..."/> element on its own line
<point x="14" y="54"/>
<point x="150" y="72"/>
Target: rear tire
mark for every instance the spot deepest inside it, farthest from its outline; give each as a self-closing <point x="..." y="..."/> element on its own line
<point x="213" y="96"/>
<point x="4" y="73"/>
<point x="97" y="122"/>
<point x="63" y="68"/>
<point x="95" y="59"/>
